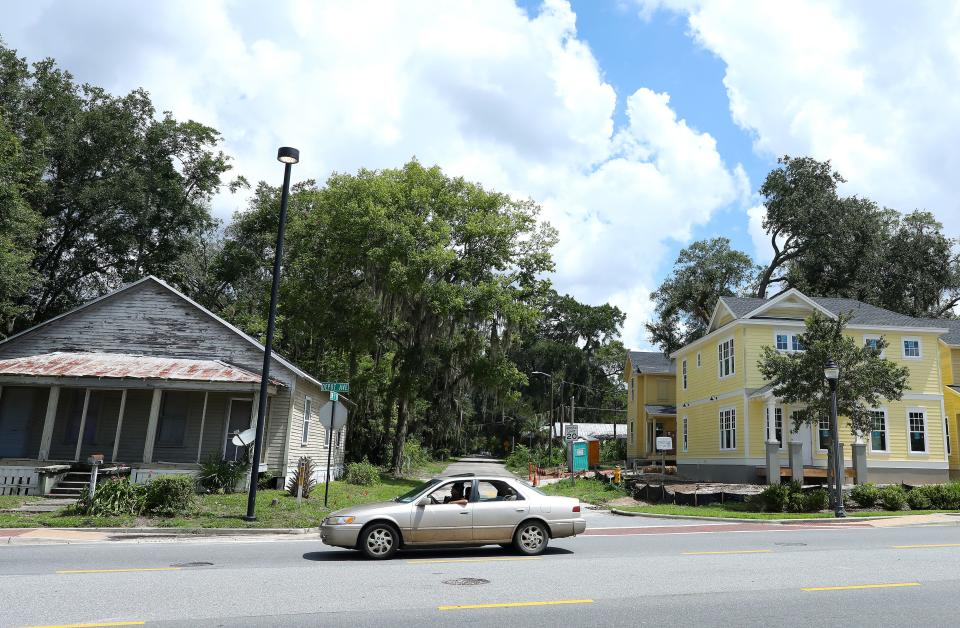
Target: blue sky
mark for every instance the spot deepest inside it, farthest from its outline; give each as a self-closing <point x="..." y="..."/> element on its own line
<point x="637" y="125"/>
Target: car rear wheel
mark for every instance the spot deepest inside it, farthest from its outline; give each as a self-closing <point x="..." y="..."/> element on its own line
<point x="380" y="541"/>
<point x="531" y="538"/>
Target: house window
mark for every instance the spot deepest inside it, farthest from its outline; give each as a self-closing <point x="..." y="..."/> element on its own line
<point x="663" y="390"/>
<point x="783" y="342"/>
<point x="698" y="359"/>
<point x="873" y="342"/>
<point x="173" y="419"/>
<point x="726" y="359"/>
<point x="630" y="430"/>
<point x="683" y="423"/>
<point x="338" y="437"/>
<point x="684" y="374"/>
<point x="778" y="425"/>
<point x="946" y="433"/>
<point x="911" y="348"/>
<point x="823" y="433"/>
<point x="728" y="428"/>
<point x="917" y="421"/>
<point x="307" y="410"/>
<point x="788" y="341"/>
<point x="878" y="432"/>
<point x="631" y="388"/>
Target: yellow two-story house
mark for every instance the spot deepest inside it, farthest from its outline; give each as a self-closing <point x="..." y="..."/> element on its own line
<point x="651" y="403"/>
<point x="950" y="368"/>
<point x="727" y="413"/>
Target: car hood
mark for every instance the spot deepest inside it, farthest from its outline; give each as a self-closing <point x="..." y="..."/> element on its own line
<point x="363" y="509"/>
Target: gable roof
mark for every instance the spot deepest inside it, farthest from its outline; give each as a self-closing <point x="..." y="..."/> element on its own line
<point x="952" y="337"/>
<point x="162" y="284"/>
<point x="652" y="362"/>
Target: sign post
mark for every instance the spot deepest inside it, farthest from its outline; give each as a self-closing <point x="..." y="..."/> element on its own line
<point x="663" y="444"/>
<point x="332" y="423"/>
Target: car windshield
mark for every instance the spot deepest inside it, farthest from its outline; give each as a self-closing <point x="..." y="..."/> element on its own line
<point x="408" y="497"/>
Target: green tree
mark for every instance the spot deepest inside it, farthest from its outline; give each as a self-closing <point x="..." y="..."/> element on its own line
<point x="121" y="191"/>
<point x="866" y="379"/>
<point x="703" y="272"/>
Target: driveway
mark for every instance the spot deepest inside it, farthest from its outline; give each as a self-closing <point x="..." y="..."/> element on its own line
<point x="479" y="465"/>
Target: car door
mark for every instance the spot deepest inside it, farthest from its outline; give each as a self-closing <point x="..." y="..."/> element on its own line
<point x="497" y="509"/>
<point x="439" y="522"/>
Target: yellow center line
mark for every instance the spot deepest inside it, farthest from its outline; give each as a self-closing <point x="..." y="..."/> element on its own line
<point x="928" y="545"/>
<point x="512" y="604"/>
<point x="864" y="586"/>
<point x="762" y="551"/>
<point x="108" y="623"/>
<point x="420" y="561"/>
<point x="66" y="571"/>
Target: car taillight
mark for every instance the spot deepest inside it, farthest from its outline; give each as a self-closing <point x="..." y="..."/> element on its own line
<point x="576" y="508"/>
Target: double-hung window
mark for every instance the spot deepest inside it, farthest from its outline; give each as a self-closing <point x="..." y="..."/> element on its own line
<point x="823" y="433"/>
<point x="728" y="428"/>
<point x="173" y="418"/>
<point x="946" y="433"/>
<point x="725" y="358"/>
<point x="788" y="341"/>
<point x="683" y="423"/>
<point x="775" y="425"/>
<point x="684" y="363"/>
<point x="307" y="410"/>
<point x="873" y="342"/>
<point x="911" y="348"/>
<point x="917" y="422"/>
<point x="878" y="430"/>
<point x="698" y="359"/>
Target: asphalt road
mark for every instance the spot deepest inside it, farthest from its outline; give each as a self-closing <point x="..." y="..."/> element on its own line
<point x="626" y="571"/>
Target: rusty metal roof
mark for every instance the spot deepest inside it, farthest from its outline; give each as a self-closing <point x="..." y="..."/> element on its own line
<point x="127" y="366"/>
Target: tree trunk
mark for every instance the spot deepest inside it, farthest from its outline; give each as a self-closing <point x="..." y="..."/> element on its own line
<point x="400" y="433"/>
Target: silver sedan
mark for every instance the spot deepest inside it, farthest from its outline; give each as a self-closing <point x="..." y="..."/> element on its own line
<point x="459" y="510"/>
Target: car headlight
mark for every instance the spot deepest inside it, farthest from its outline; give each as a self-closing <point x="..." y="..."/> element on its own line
<point x="338" y="521"/>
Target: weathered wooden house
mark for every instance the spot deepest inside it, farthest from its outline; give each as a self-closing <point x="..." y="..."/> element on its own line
<point x="156" y="383"/>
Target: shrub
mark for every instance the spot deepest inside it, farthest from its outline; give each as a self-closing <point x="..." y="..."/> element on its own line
<point x="893" y="497"/>
<point x="442" y="454"/>
<point x="266" y="480"/>
<point x="816" y="500"/>
<point x="918" y="498"/>
<point x="220" y="476"/>
<point x="414" y="456"/>
<point x="519" y="458"/>
<point x="949" y="496"/>
<point x="363" y="473"/>
<point x="113" y="497"/>
<point x="169" y="495"/>
<point x="303" y="477"/>
<point x="775" y="497"/>
<point x="613" y="450"/>
<point x="865" y="495"/>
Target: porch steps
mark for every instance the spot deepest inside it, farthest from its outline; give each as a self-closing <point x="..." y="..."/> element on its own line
<point x="71" y="485"/>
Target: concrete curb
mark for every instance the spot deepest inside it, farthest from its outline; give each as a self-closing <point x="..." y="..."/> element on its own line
<point x="184" y="532"/>
<point x="628" y="513"/>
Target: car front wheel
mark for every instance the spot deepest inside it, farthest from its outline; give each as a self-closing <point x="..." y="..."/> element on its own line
<point x="531" y="538"/>
<point x="379" y="541"/>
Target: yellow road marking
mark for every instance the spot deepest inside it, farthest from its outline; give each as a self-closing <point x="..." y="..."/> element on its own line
<point x="764" y="551"/>
<point x="109" y="623"/>
<point x="470" y="560"/>
<point x="929" y="545"/>
<point x="512" y="604"/>
<point x="119" y="570"/>
<point x="864" y="586"/>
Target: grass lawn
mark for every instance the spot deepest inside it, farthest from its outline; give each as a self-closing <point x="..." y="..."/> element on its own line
<point x="225" y="511"/>
<point x="589" y="491"/>
<point x="743" y="511"/>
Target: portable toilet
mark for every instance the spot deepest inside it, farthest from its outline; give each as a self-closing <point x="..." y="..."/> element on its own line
<point x="577" y="458"/>
<point x="593" y="452"/>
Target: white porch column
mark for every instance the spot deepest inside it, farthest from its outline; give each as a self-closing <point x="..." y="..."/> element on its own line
<point x="203" y="420"/>
<point x="772" y="444"/>
<point x="48" y="420"/>
<point x="254" y="409"/>
<point x="116" y="437"/>
<point x="83" y="424"/>
<point x="152" y="426"/>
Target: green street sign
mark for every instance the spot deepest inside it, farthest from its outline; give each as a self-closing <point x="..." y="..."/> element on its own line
<point x="334" y="396"/>
<point x="334" y="387"/>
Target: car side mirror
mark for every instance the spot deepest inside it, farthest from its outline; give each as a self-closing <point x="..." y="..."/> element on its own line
<point x="423" y="502"/>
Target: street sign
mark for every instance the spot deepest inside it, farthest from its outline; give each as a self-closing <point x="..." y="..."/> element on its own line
<point x="331" y="420"/>
<point x="334" y="387"/>
<point x="570" y="432"/>
<point x="664" y="443"/>
<point x="334" y="396"/>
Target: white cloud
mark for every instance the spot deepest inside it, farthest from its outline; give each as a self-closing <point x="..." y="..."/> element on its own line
<point x="869" y="85"/>
<point x="517" y="103"/>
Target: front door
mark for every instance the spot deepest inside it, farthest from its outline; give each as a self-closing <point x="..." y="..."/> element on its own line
<point x="497" y="510"/>
<point x="16" y="414"/>
<point x="447" y="517"/>
<point x="237" y="421"/>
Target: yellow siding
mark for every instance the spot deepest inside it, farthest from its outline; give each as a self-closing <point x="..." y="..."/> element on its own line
<point x="634" y="415"/>
<point x="955" y="365"/>
<point x="703" y="425"/>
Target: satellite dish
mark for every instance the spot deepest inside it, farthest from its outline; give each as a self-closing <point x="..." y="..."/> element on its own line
<point x="244" y="438"/>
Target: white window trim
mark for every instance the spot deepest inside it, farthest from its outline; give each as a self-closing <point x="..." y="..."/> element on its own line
<point x="946" y="435"/>
<point x="867" y="337"/>
<point x="783" y="431"/>
<point x="903" y="348"/>
<point x="791" y="337"/>
<point x="305" y="426"/>
<point x="720" y="412"/>
<point x="684" y="373"/>
<point x="926" y="432"/>
<point x="886" y="428"/>
<point x="684" y="435"/>
<point x="816" y="435"/>
<point x="733" y="360"/>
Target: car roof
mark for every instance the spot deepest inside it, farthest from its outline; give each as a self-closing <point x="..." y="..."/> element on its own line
<point x="473" y="476"/>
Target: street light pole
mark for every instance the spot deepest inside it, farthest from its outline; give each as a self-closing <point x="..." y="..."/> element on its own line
<point x="832" y="374"/>
<point x="287" y="156"/>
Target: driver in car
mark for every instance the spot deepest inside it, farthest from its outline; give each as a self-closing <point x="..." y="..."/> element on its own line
<point x="456" y="496"/>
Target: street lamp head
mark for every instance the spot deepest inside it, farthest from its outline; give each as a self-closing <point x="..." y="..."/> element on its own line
<point x="288" y="155"/>
<point x="831" y="371"/>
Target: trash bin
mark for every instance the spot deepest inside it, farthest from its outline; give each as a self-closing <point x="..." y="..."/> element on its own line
<point x="577" y="456"/>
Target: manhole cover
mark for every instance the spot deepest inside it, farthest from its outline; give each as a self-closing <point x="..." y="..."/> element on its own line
<point x="791" y="544"/>
<point x="466" y="582"/>
<point x="197" y="564"/>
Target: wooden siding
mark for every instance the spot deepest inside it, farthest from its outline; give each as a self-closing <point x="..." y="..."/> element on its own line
<point x="316" y="445"/>
<point x="703" y="429"/>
